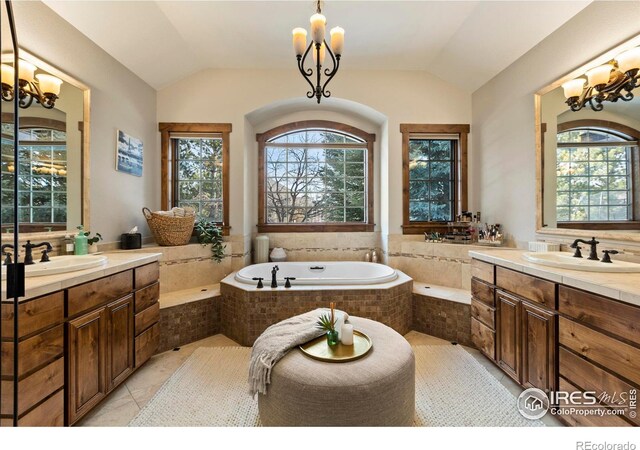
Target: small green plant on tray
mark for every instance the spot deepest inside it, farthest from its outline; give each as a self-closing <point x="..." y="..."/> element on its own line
<point x="325" y="323"/>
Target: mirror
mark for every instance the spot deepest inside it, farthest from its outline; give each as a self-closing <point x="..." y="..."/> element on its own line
<point x="588" y="163"/>
<point x="53" y="157"/>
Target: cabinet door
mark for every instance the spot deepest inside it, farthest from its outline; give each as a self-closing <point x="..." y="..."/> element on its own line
<point x="538" y="347"/>
<point x="508" y="331"/>
<point x="87" y="358"/>
<point x="120" y="341"/>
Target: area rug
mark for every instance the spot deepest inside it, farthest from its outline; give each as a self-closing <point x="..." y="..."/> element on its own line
<point x="210" y="389"/>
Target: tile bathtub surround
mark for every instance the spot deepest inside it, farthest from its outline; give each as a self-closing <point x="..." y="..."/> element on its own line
<point x="445" y="319"/>
<point x="246" y="314"/>
<point x="326" y="246"/>
<point x="189" y="322"/>
<point x="437" y="263"/>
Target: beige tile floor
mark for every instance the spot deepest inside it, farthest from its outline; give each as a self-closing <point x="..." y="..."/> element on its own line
<point x="127" y="400"/>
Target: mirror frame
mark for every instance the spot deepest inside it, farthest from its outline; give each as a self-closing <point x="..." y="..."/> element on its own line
<point x="619" y="235"/>
<point x="86" y="140"/>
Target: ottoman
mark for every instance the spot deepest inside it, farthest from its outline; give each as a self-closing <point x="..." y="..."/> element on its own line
<point x="376" y="390"/>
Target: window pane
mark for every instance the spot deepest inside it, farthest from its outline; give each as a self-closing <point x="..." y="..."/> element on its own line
<point x="419" y="170"/>
<point x="315" y="184"/>
<point x="419" y="212"/>
<point x="419" y="190"/>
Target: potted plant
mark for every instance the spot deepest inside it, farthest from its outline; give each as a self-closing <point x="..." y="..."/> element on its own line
<point x="211" y="234"/>
<point x="327" y="322"/>
<point x="93" y="241"/>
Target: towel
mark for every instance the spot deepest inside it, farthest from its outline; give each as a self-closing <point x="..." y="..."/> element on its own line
<point x="276" y="341"/>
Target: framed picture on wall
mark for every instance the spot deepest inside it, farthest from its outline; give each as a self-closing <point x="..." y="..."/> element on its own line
<point x="128" y="154"/>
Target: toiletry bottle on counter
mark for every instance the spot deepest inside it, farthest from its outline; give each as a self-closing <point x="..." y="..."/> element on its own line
<point x="81" y="242"/>
<point x="67" y="245"/>
<point x="374" y="257"/>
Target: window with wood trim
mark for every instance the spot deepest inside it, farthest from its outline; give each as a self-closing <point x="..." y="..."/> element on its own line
<point x="315" y="176"/>
<point x="195" y="169"/>
<point x="596" y="164"/>
<point x="434" y="166"/>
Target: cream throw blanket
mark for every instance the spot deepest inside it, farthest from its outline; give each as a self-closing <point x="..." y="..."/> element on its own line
<point x="276" y="341"/>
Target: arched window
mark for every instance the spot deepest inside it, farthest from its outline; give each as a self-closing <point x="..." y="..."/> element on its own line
<point x="315" y="176"/>
<point x="595" y="170"/>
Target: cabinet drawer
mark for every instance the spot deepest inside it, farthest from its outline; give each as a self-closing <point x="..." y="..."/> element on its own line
<point x="591" y="420"/>
<point x="33" y="388"/>
<point x="147" y="296"/>
<point x="49" y="413"/>
<point x="531" y="288"/>
<point x="33" y="352"/>
<point x="484" y="313"/>
<point x="610" y="315"/>
<point x="582" y="373"/>
<point x="483" y="271"/>
<point x="483" y="292"/>
<point x="615" y="355"/>
<point x="147" y="344"/>
<point x="148" y="317"/>
<point x="34" y="315"/>
<point x="146" y="275"/>
<point x="99" y="292"/>
<point x="484" y="338"/>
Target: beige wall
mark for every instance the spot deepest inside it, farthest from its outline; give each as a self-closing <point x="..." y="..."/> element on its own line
<point x="503" y="182"/>
<point x="119" y="99"/>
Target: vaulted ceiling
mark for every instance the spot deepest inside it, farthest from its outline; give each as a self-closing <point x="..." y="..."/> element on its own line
<point x="464" y="42"/>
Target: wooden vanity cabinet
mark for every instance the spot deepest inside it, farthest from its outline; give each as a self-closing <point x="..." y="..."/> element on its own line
<point x="556" y="337"/>
<point x="77" y="345"/>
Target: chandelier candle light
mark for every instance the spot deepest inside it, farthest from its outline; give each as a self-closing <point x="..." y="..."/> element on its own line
<point x="319" y="48"/>
<point x="44" y="88"/>
<point x="611" y="82"/>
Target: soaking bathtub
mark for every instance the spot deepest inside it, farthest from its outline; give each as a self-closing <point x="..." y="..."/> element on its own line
<point x="374" y="291"/>
<point x="320" y="273"/>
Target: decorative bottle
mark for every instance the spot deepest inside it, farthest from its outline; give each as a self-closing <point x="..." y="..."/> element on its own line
<point x="81" y="242"/>
<point x="374" y="257"/>
<point x="67" y="245"/>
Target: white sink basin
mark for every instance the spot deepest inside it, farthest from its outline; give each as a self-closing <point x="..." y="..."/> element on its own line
<point x="565" y="260"/>
<point x="61" y="264"/>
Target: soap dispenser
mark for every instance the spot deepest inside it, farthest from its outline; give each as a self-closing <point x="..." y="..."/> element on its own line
<point x="81" y="242"/>
<point x="68" y="245"/>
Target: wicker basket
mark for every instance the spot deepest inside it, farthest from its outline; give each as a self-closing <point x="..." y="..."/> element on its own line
<point x="169" y="230"/>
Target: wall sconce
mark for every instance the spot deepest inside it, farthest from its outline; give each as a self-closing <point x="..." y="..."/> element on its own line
<point x="44" y="88"/>
<point x="609" y="82"/>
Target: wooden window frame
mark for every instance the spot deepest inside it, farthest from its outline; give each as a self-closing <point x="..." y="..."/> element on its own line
<point x="460" y="199"/>
<point x="635" y="175"/>
<point x="168" y="161"/>
<point x="262" y="139"/>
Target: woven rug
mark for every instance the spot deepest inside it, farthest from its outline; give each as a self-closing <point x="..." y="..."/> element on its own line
<point x="210" y="389"/>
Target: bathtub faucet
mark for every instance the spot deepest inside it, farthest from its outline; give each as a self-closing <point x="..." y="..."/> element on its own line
<point x="274" y="281"/>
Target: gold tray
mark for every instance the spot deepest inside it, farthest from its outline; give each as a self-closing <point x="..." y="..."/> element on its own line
<point x="320" y="350"/>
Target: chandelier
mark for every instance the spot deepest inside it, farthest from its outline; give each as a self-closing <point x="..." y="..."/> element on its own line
<point x="319" y="49"/>
<point x="43" y="88"/>
<point x="610" y="82"/>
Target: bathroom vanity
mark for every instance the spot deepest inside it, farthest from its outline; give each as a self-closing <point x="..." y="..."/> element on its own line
<point x="559" y="329"/>
<point x="80" y="336"/>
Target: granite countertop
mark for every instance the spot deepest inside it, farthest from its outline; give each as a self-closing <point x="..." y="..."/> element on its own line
<point x="620" y="286"/>
<point x="116" y="262"/>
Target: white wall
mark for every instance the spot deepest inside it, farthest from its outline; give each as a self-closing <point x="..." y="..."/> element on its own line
<point x="230" y="95"/>
<point x="503" y="184"/>
<point x="119" y="99"/>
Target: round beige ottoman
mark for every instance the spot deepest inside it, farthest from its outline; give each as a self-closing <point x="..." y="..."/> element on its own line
<point x="376" y="390"/>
